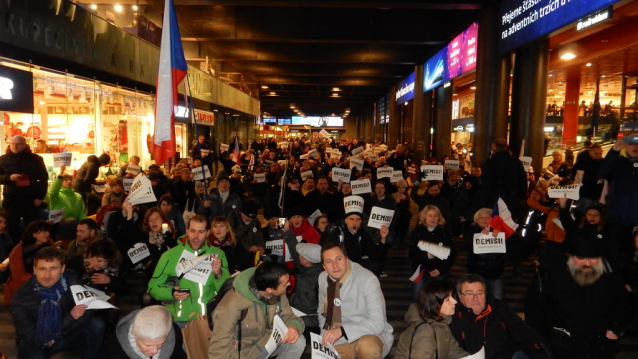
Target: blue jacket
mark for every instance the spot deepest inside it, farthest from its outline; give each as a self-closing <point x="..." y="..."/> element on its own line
<point x="622" y="199"/>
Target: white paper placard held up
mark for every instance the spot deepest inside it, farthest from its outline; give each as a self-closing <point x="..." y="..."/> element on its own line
<point x="320" y="351"/>
<point x="571" y="191"/>
<point x="204" y="152"/>
<point x="437" y="250"/>
<point x="91" y="297"/>
<point x="197" y="173"/>
<point x="62" y="159"/>
<point x="283" y="145"/>
<point x="311" y="218"/>
<point x="306" y="174"/>
<point x="357" y="151"/>
<point x="487" y="243"/>
<point x="276" y="247"/>
<point x="452" y="164"/>
<point x="527" y="162"/>
<point x="356" y="163"/>
<point x="433" y="172"/>
<point x="396" y="176"/>
<point x="127" y="183"/>
<point x="223" y="147"/>
<point x="384" y="172"/>
<point x="340" y="174"/>
<point x="303" y="157"/>
<point x="195" y="268"/>
<point x="56" y="215"/>
<point x="141" y="190"/>
<point x="380" y="217"/>
<point x="260" y="177"/>
<point x="133" y="169"/>
<point x="138" y="252"/>
<point x="361" y="186"/>
<point x="279" y="331"/>
<point x="313" y="153"/>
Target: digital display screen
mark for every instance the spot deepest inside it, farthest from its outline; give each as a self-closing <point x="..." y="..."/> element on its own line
<point x="16" y="90"/>
<point x="284" y="121"/>
<point x="525" y="20"/>
<point x="316" y="121"/>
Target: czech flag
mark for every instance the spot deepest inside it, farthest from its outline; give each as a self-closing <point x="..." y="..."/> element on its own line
<point x="236" y="152"/>
<point x="418" y="274"/>
<point x="172" y="69"/>
<point x="502" y="219"/>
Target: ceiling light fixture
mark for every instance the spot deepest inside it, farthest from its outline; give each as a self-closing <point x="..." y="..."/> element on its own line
<point x="292" y="105"/>
<point x="118" y="8"/>
<point x="264" y="87"/>
<point x="473" y="88"/>
<point x="335" y="94"/>
<point x="272" y="93"/>
<point x="603" y="76"/>
<point x="336" y="89"/>
<point x="135" y="7"/>
<point x="588" y="64"/>
<point x="568" y="52"/>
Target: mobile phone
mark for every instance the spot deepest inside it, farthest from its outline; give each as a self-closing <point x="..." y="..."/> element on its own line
<point x="281" y="222"/>
<point x="184" y="290"/>
<point x="631" y="140"/>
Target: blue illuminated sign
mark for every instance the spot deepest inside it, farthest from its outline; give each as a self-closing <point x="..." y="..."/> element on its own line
<point x="525" y="20"/>
<point x="405" y="89"/>
<point x="284" y="121"/>
<point x="434" y="73"/>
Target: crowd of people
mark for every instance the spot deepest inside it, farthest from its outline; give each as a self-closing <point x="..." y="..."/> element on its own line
<point x="315" y="267"/>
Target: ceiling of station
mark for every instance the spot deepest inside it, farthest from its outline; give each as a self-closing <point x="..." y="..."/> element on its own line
<point x="302" y="50"/>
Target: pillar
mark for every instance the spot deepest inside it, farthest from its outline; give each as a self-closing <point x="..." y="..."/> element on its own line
<point x="570" y="111"/>
<point x="492" y="87"/>
<point x="421" y="120"/>
<point x="442" y="121"/>
<point x="529" y="94"/>
<point x="393" y="127"/>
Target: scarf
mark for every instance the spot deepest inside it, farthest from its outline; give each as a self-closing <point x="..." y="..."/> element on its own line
<point x="268" y="301"/>
<point x="333" y="312"/>
<point x="49" y="324"/>
<point x="156" y="238"/>
<point x="220" y="242"/>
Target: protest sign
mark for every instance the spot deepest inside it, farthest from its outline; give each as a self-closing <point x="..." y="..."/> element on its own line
<point x="320" y="351"/>
<point x="452" y="164"/>
<point x="368" y="153"/>
<point x="197" y="173"/>
<point x="260" y="177"/>
<point x="138" y="252"/>
<point x="384" y="172"/>
<point x="91" y="297"/>
<point x="323" y="133"/>
<point x="356" y="163"/>
<point x="380" y="217"/>
<point x="276" y="247"/>
<point x="133" y="169"/>
<point x="527" y="162"/>
<point x="353" y="204"/>
<point x="62" y="159"/>
<point x="195" y="268"/>
<point x="283" y="145"/>
<point x="279" y="331"/>
<point x="305" y="175"/>
<point x="56" y="215"/>
<point x="396" y="176"/>
<point x="313" y="154"/>
<point x="340" y="174"/>
<point x="127" y="183"/>
<point x="298" y="312"/>
<point x="374" y="158"/>
<point x="223" y="147"/>
<point x="432" y="172"/>
<point x="383" y="147"/>
<point x="303" y="157"/>
<point x="487" y="243"/>
<point x="204" y="152"/>
<point x="435" y="249"/>
<point x="361" y="186"/>
<point x="311" y="218"/>
<point x="357" y="151"/>
<point x="571" y="191"/>
<point x="141" y="191"/>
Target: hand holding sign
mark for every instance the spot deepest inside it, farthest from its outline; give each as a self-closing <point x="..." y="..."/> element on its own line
<point x="141" y="190"/>
<point x="277" y="336"/>
<point x="488" y="243"/>
<point x="340" y="174"/>
<point x="91" y="297"/>
<point x="62" y="159"/>
<point x="570" y="191"/>
<point x="380" y="217"/>
<point x="433" y="173"/>
<point x="56" y="215"/>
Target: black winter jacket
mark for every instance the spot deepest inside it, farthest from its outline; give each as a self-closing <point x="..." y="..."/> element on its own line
<point x="437" y="236"/>
<point x="591" y="188"/>
<point x="26" y="163"/>
<point x="359" y="244"/>
<point x="86" y="175"/>
<point x="503" y="176"/>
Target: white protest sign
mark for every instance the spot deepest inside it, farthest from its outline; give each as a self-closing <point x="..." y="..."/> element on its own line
<point x="279" y="331"/>
<point x="452" y="164"/>
<point x="133" y="169"/>
<point x="571" y="191"/>
<point x="353" y="204"/>
<point x="313" y="153"/>
<point x="374" y="158"/>
<point x="383" y="147"/>
<point x="526" y="161"/>
<point x="197" y="173"/>
<point x="320" y="351"/>
<point x="56" y="215"/>
<point x="376" y="150"/>
<point x="323" y="133"/>
<point x="396" y="176"/>
<point x="141" y="191"/>
<point x="478" y="355"/>
<point x="435" y="249"/>
<point x="260" y="177"/>
<point x="357" y="151"/>
<point x="276" y="247"/>
<point x="487" y="243"/>
<point x="62" y="159"/>
<point x="356" y="163"/>
<point x="303" y="157"/>
<point x="306" y="174"/>
<point x="380" y="217"/>
<point x="297" y="312"/>
<point x="433" y="172"/>
<point x="138" y="252"/>
<point x="223" y="147"/>
<point x="578" y="179"/>
<point x="368" y="153"/>
<point x="340" y="174"/>
<point x="361" y="186"/>
<point x="127" y="183"/>
<point x="283" y="145"/>
<point x="558" y="223"/>
<point x="197" y="269"/>
<point x="311" y="218"/>
<point x="91" y="297"/>
<point x="204" y="152"/>
<point x="384" y="172"/>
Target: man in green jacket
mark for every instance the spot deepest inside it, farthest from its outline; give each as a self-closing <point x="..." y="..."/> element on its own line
<point x="185" y="289"/>
<point x="260" y="293"/>
<point x="61" y="195"/>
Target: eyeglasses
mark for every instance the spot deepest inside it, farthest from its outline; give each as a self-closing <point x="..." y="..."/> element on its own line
<point x="473" y="295"/>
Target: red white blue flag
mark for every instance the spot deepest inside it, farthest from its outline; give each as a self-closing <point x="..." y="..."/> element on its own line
<point x="172" y="70"/>
<point x="418" y="274"/>
<point x="236" y="152"/>
<point x="502" y="219"/>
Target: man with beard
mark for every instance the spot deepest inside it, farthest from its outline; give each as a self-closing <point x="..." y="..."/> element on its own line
<point x="578" y="305"/>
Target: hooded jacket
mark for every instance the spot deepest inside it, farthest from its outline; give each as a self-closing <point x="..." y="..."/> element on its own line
<point x="200" y="294"/>
<point x="86" y="175"/>
<point x="119" y="347"/>
<point x="66" y="198"/>
<point x="591" y="188"/>
<point x="256" y="326"/>
<point x="622" y="199"/>
<point x="26" y="163"/>
<point x="431" y="340"/>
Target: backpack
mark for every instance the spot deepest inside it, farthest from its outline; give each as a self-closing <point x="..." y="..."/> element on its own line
<point x="210" y="307"/>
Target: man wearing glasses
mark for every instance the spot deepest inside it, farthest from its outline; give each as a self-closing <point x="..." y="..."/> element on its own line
<point x="481" y="320"/>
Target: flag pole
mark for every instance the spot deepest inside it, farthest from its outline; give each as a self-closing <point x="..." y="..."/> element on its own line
<point x="191" y="109"/>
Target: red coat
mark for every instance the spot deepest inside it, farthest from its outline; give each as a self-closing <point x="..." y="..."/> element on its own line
<point x="19" y="275"/>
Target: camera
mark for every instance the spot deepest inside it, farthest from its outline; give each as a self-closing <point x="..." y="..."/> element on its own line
<point x="631" y="140"/>
<point x="281" y="222"/>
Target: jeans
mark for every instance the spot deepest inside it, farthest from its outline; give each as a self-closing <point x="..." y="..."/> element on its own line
<point x="291" y="351"/>
<point x="426" y="277"/>
<point x="90" y="335"/>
